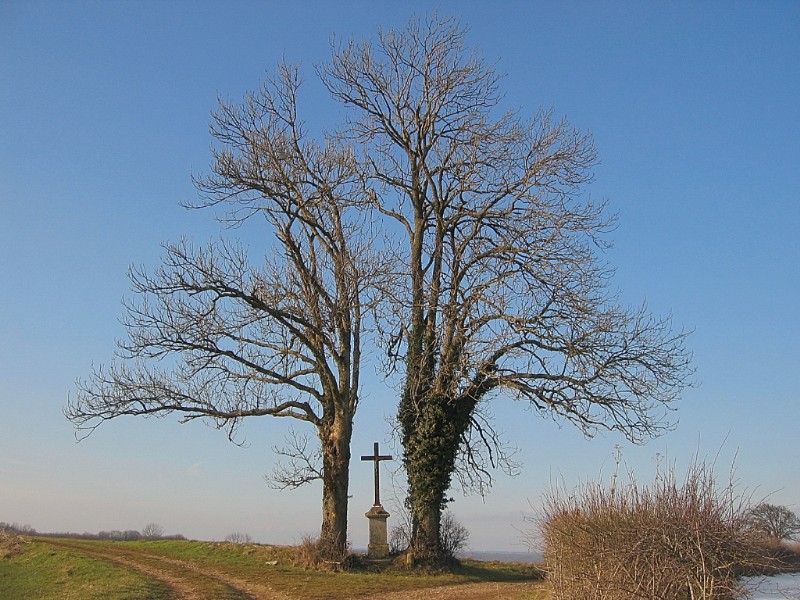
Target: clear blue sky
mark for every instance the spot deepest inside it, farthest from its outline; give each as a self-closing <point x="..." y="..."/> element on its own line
<point x="104" y="111"/>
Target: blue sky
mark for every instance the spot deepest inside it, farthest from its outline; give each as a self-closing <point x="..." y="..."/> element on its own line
<point x="104" y="111"/>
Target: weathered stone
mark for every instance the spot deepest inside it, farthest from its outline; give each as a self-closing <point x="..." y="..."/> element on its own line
<point x="378" y="537"/>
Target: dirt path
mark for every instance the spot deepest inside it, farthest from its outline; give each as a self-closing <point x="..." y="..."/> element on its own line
<point x="186" y="581"/>
<point x="470" y="591"/>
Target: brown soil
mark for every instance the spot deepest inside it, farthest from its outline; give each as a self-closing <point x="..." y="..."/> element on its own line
<point x="471" y="591"/>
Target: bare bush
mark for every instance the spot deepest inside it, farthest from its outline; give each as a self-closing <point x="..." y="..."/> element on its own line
<point x="453" y="534"/>
<point x="400" y="536"/>
<point x="238" y="538"/>
<point x="686" y="541"/>
<point x="321" y="553"/>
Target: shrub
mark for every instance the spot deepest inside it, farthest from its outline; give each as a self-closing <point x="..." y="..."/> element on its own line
<point x="399" y="538"/>
<point x="686" y="541"/>
<point x="313" y="553"/>
<point x="238" y="538"/>
<point x="400" y="534"/>
<point x="454" y="535"/>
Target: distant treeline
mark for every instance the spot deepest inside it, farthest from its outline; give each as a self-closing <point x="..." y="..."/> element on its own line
<point x="130" y="535"/>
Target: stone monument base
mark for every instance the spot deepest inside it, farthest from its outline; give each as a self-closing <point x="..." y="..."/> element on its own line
<point x="378" y="546"/>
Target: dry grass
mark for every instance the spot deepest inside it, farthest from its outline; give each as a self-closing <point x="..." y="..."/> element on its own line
<point x="11" y="544"/>
<point x="313" y="553"/>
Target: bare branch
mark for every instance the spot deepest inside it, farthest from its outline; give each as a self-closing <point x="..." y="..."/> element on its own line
<point x="304" y="463"/>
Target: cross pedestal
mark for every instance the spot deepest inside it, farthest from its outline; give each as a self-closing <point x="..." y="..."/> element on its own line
<point x="378" y="537"/>
<point x="378" y="546"/>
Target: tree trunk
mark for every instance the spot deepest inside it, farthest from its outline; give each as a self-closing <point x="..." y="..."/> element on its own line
<point x="335" y="441"/>
<point x="426" y="542"/>
<point x="432" y="433"/>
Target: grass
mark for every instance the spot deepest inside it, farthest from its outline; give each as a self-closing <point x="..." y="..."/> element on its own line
<point x="249" y="562"/>
<point x="42" y="572"/>
<point x="62" y="571"/>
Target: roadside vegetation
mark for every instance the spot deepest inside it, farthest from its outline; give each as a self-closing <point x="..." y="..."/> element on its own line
<point x="684" y="540"/>
<point x="81" y="568"/>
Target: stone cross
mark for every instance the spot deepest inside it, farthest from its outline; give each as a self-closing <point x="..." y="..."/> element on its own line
<point x="377" y="458"/>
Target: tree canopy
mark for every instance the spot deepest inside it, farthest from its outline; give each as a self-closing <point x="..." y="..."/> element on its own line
<point x="775" y="522"/>
<point x="503" y="290"/>
<point x="213" y="335"/>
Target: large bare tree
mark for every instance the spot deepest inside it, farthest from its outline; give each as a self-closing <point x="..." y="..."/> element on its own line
<point x="775" y="522"/>
<point x="504" y="290"/>
<point x="212" y="336"/>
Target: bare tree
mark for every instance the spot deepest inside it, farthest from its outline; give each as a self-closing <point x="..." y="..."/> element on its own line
<point x="776" y="522"/>
<point x="282" y="339"/>
<point x="151" y="531"/>
<point x="502" y="289"/>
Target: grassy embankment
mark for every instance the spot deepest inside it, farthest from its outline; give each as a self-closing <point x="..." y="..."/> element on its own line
<point x="61" y="568"/>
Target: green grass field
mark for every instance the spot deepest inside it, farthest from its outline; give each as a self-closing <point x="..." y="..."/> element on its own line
<point x="44" y="572"/>
<point x="86" y="569"/>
